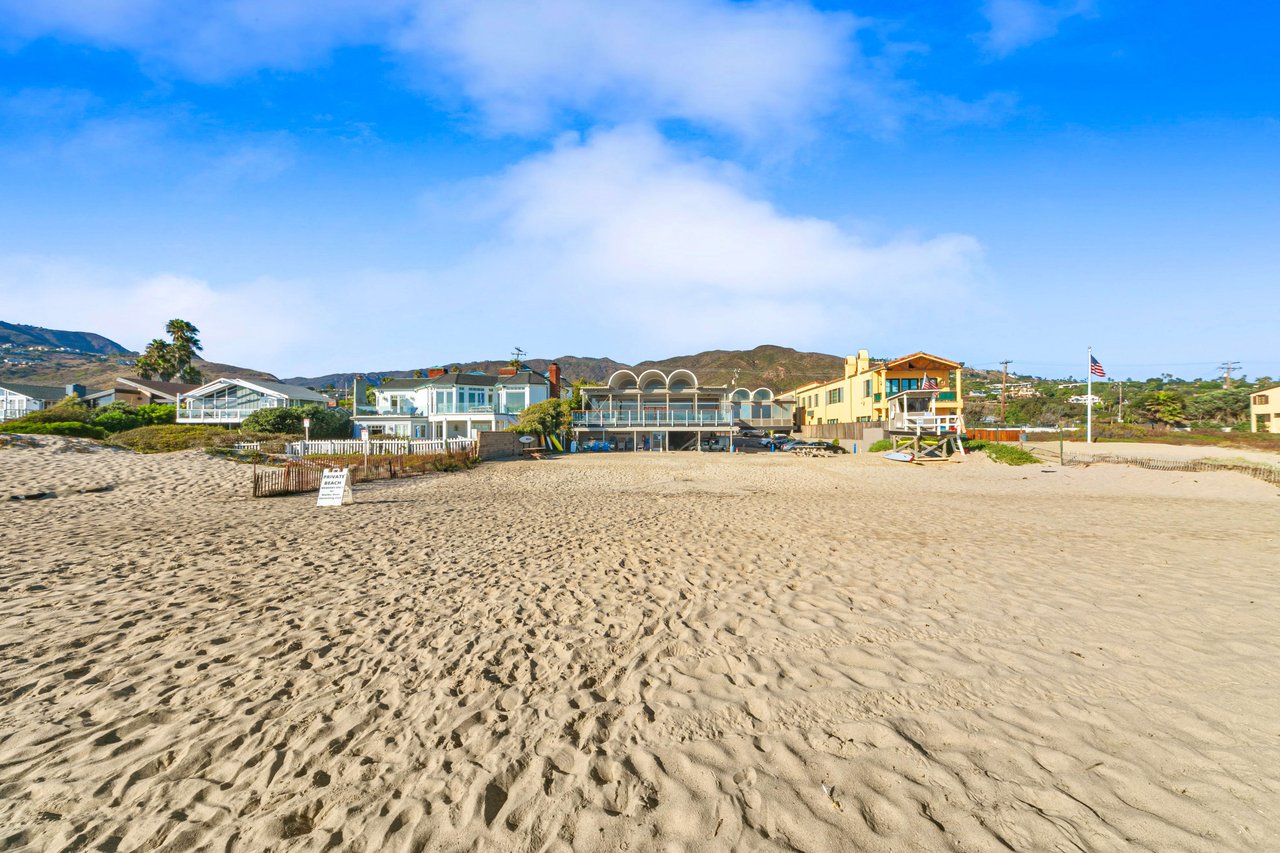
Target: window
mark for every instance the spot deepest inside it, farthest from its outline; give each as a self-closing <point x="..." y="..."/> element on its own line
<point x="1260" y="400"/>
<point x="835" y="395"/>
<point x="515" y="401"/>
<point x="866" y="388"/>
<point x="895" y="386"/>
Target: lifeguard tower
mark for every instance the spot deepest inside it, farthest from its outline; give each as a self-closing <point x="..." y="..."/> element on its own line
<point x="915" y="423"/>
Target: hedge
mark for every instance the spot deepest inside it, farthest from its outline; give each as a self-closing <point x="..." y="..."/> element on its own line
<point x="74" y="429"/>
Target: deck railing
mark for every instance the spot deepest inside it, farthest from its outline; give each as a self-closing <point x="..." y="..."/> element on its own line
<point x="215" y="416"/>
<point x="660" y="418"/>
<point x="926" y="422"/>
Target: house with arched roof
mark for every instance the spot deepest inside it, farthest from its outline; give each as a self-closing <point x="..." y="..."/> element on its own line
<point x="673" y="411"/>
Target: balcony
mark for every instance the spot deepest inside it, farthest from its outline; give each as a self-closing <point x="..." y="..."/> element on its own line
<point x="630" y="419"/>
<point x="216" y="416"/>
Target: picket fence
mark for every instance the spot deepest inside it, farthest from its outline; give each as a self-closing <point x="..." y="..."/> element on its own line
<point x="379" y="447"/>
<point x="1266" y="473"/>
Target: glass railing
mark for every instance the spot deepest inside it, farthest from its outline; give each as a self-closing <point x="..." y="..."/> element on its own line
<point x="653" y="417"/>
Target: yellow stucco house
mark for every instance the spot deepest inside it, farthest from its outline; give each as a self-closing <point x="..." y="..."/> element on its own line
<point x="862" y="394"/>
<point x="1264" y="410"/>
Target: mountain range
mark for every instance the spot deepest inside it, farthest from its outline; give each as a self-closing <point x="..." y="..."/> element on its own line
<point x="96" y="364"/>
<point x="774" y="367"/>
<point x="30" y="336"/>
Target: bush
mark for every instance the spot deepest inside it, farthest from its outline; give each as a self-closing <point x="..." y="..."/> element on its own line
<point x="275" y="420"/>
<point x="156" y="413"/>
<point x="166" y="438"/>
<point x="880" y="446"/>
<point x="64" y="412"/>
<point x="117" y="421"/>
<point x="1010" y="455"/>
<point x="75" y="429"/>
<point x="325" y="422"/>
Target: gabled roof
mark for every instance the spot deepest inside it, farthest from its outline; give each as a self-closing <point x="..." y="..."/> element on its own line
<point x="408" y="383"/>
<point x="524" y="377"/>
<point x="293" y="392"/>
<point x="476" y="379"/>
<point x="167" y="389"/>
<point x="36" y="392"/>
<point x="907" y="362"/>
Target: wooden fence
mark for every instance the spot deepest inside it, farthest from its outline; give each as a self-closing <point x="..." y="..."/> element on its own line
<point x="299" y="476"/>
<point x="867" y="431"/>
<point x="1266" y="473"/>
<point x="378" y="446"/>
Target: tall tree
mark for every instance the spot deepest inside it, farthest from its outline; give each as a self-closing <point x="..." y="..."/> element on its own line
<point x="186" y="343"/>
<point x="156" y="362"/>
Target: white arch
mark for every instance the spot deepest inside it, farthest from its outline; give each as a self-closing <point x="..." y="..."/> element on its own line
<point x="653" y="380"/>
<point x="740" y="395"/>
<point x="682" y="380"/>
<point x="623" y="380"/>
<point x="762" y="395"/>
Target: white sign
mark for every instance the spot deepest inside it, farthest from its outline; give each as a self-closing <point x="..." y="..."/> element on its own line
<point x="335" y="488"/>
<point x="526" y="439"/>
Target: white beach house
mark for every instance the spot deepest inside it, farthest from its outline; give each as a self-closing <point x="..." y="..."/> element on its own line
<point x="18" y="399"/>
<point x="657" y="411"/>
<point x="455" y="405"/>
<point x="229" y="401"/>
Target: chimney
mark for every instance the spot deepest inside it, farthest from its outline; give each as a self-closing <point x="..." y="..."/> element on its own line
<point x="76" y="391"/>
<point x="433" y="372"/>
<point x="553" y="375"/>
<point x="508" y="370"/>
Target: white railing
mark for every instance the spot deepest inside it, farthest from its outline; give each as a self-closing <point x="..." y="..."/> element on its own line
<point x="378" y="446"/>
<point x="14" y="414"/>
<point x="927" y="422"/>
<point x="626" y="420"/>
<point x="216" y="416"/>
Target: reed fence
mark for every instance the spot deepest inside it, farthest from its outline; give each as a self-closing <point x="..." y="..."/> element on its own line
<point x="1266" y="473"/>
<point x="299" y="476"/>
<point x="379" y="446"/>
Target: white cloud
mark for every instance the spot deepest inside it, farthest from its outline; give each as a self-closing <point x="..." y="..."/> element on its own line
<point x="212" y="39"/>
<point x="1018" y="23"/>
<point x="744" y="67"/>
<point x="644" y="243"/>
<point x="254" y="323"/>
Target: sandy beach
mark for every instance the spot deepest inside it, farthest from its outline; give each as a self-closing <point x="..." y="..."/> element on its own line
<point x="677" y="652"/>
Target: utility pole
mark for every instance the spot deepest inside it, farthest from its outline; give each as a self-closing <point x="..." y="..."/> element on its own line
<point x="1004" y="381"/>
<point x="1226" y="367"/>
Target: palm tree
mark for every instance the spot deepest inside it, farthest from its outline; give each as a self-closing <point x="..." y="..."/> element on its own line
<point x="186" y="344"/>
<point x="156" y="362"/>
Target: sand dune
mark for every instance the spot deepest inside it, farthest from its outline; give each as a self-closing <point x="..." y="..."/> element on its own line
<point x="643" y="652"/>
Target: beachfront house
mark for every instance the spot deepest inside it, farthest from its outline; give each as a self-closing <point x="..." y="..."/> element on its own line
<point x="867" y="391"/>
<point x="146" y="392"/>
<point x="17" y="399"/>
<point x="456" y="405"/>
<point x="228" y="401"/>
<point x="658" y="411"/>
<point x="1264" y="410"/>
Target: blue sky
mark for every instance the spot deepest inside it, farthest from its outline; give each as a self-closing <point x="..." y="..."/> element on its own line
<point x="328" y="186"/>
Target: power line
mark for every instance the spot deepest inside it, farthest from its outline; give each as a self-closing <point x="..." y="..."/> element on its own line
<point x="1227" y="367"/>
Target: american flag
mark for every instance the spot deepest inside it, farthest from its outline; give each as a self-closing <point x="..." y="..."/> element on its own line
<point x="930" y="384"/>
<point x="1095" y="367"/>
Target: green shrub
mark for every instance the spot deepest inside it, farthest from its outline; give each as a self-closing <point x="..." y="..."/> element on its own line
<point x="275" y="420"/>
<point x="156" y="413"/>
<point x="880" y="446"/>
<point x="64" y="412"/>
<point x="166" y="438"/>
<point x="117" y="421"/>
<point x="1010" y="455"/>
<point x="836" y="442"/>
<point x="76" y="429"/>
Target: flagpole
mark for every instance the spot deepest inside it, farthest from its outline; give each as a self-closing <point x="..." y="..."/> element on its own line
<point x="1088" y="402"/>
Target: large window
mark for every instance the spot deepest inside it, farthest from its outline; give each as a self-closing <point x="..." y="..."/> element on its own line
<point x="894" y="386"/>
<point x="835" y="395"/>
<point x="516" y="400"/>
